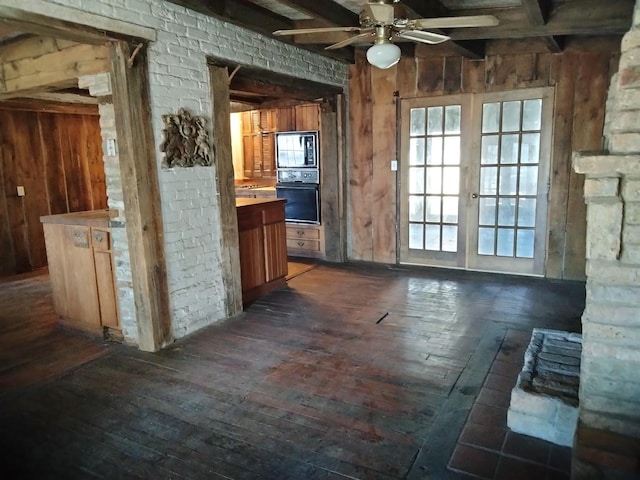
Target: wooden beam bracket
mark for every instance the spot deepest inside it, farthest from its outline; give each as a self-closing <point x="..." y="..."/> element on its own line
<point x="131" y="59"/>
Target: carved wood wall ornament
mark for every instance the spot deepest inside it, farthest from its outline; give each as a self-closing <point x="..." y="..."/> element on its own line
<point x="186" y="140"/>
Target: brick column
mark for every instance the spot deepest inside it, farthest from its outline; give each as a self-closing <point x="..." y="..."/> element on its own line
<point x="100" y="86"/>
<point x="607" y="443"/>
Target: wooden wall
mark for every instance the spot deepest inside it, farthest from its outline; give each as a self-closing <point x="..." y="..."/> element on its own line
<point x="57" y="157"/>
<point x="580" y="76"/>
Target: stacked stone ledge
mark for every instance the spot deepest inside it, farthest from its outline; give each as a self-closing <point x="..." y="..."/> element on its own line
<point x="607" y="442"/>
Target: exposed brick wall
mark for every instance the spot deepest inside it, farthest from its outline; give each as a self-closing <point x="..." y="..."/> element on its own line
<point x="610" y="373"/>
<point x="179" y="78"/>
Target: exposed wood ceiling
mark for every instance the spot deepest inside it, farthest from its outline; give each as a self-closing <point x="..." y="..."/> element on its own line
<point x="553" y="21"/>
<point x="547" y="23"/>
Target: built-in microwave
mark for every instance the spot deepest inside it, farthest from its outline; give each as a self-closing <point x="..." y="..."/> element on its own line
<point x="297" y="149"/>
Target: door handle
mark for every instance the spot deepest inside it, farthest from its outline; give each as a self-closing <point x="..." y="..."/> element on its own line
<point x="474" y="195"/>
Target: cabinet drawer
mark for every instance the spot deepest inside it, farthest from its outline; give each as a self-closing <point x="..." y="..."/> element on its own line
<point x="298" y="244"/>
<point x="305" y="233"/>
<point x="100" y="239"/>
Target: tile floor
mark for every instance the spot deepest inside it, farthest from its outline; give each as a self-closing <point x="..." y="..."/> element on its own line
<point x="486" y="448"/>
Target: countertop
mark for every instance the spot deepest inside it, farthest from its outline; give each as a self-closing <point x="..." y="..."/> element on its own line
<point x="91" y="218"/>
<point x="246" y="202"/>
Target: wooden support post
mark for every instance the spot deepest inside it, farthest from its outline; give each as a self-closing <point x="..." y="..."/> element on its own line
<point x="223" y="161"/>
<point x="141" y="196"/>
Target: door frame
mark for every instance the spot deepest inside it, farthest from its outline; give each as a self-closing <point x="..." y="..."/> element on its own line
<point x="141" y="192"/>
<point x="437" y="259"/>
<point x="470" y="154"/>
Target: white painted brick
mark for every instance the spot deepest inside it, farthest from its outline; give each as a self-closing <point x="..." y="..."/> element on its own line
<point x="179" y="78"/>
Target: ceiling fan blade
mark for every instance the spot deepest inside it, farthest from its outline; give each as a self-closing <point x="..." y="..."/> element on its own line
<point x="455" y="22"/>
<point x="303" y="31"/>
<point x="368" y="34"/>
<point x="423" y="37"/>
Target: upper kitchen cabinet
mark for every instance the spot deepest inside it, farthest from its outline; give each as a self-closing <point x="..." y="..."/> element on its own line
<point x="258" y="135"/>
<point x="258" y="129"/>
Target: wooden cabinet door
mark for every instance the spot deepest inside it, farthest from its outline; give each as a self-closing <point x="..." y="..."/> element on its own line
<point x="307" y="117"/>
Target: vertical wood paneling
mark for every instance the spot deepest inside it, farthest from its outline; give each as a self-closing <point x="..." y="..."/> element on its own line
<point x="473" y="75"/>
<point x="501" y="73"/>
<point x="525" y="70"/>
<point x="52" y="164"/>
<point x="8" y="262"/>
<point x="307" y="117"/>
<point x="14" y="214"/>
<point x="452" y="75"/>
<point x="562" y="74"/>
<point x="407" y="77"/>
<point x="42" y="152"/>
<point x="383" y="83"/>
<point x="430" y="73"/>
<point x="361" y="166"/>
<point x="286" y="119"/>
<point x="95" y="163"/>
<point x="588" y="120"/>
<point x="581" y="83"/>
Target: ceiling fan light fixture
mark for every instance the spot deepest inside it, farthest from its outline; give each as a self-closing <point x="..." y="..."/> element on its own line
<point x="383" y="55"/>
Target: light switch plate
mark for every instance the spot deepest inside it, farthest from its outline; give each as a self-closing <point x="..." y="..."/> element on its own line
<point x="112" y="149"/>
<point x="20" y="190"/>
<point x="394" y="165"/>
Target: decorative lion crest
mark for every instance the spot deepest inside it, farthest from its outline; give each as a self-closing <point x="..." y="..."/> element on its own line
<point x="186" y="140"/>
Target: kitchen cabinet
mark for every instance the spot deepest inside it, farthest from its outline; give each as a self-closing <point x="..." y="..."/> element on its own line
<point x="263" y="246"/>
<point x="81" y="269"/>
<point x="305" y="240"/>
<point x="258" y="143"/>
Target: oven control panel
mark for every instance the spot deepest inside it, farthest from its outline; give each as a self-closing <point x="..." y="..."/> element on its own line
<point x="298" y="176"/>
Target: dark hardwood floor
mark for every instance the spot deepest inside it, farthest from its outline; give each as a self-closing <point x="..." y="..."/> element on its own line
<point x="349" y="372"/>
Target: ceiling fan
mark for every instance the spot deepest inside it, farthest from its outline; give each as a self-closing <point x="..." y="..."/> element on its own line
<point x="380" y="26"/>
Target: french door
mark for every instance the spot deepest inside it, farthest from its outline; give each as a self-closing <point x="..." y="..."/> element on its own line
<point x="474" y="180"/>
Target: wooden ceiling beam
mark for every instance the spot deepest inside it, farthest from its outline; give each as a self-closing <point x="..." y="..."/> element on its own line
<point x="537" y="11"/>
<point x="48" y="70"/>
<point x="474" y="50"/>
<point x="424" y="9"/>
<point x="587" y="17"/>
<point x="274" y="90"/>
<point x="332" y="12"/>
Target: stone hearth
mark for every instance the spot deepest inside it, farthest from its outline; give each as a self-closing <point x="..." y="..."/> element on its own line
<point x="544" y="402"/>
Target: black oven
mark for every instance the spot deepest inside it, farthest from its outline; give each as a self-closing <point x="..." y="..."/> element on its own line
<point x="303" y="201"/>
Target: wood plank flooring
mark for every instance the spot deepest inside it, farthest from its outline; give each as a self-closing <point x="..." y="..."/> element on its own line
<point x="344" y="373"/>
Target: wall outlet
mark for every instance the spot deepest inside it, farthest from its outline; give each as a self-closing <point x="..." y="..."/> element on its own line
<point x="20" y="190"/>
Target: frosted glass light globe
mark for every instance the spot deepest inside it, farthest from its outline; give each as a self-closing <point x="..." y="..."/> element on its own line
<point x="383" y="55"/>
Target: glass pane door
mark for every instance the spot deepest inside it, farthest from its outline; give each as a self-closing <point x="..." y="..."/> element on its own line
<point x="474" y="173"/>
<point x="512" y="171"/>
<point x="431" y="217"/>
